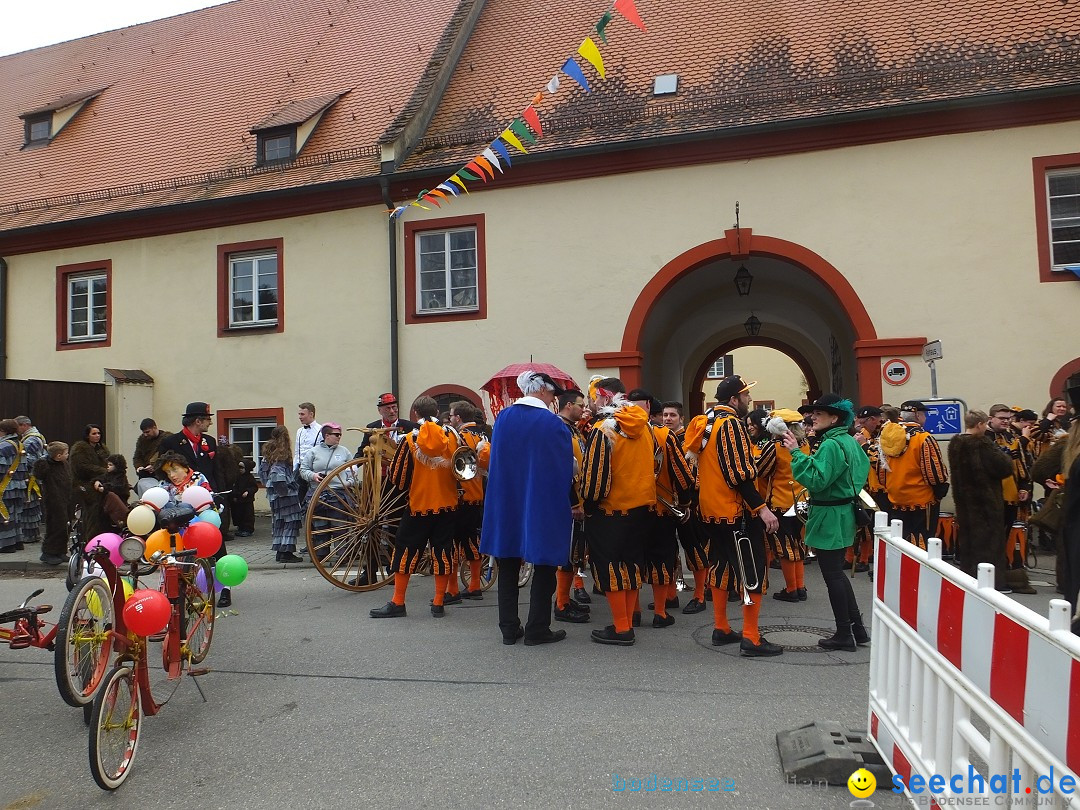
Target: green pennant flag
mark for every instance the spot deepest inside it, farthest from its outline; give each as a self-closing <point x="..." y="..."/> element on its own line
<point x="517" y="126"/>
<point x="600" y="26"/>
<point x="467" y="174"/>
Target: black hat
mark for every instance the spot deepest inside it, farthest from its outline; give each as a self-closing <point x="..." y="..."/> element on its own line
<point x="830" y="403"/>
<point x="732" y="386"/>
<point x="197" y="409"/>
<point x="912" y="405"/>
<point x="558" y="389"/>
<point x="1027" y="415"/>
<point x="639" y="395"/>
<point x="1074" y="397"/>
<point x="867" y="411"/>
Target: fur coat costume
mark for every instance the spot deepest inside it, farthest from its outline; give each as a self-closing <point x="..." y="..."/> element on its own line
<point x="977" y="468"/>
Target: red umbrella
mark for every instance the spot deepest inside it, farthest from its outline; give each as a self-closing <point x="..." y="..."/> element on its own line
<point x="503" y="389"/>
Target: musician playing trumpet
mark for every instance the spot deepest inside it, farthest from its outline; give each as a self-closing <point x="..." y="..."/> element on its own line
<point x="734" y="514"/>
<point x="834" y="474"/>
<point x="781" y="493"/>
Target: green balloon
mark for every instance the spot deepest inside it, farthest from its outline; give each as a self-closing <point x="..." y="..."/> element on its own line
<point x="231" y="570"/>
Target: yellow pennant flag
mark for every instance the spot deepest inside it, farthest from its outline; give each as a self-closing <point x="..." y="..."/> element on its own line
<point x="591" y="54"/>
<point x="512" y="139"/>
<point x="460" y="182"/>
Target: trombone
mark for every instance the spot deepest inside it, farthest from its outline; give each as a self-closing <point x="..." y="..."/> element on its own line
<point x="680" y="511"/>
<point x="744" y="549"/>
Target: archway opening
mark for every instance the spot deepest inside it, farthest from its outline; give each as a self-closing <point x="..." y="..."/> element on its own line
<point x="784" y="378"/>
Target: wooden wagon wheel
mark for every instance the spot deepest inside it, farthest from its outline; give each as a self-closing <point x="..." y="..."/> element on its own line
<point x="352" y="519"/>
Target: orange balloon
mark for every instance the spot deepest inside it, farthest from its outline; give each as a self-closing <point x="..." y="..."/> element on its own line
<point x="159" y="541"/>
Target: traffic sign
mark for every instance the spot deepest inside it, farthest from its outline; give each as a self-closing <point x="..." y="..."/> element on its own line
<point x="932" y="351"/>
<point x="896" y="371"/>
<point x="944" y="417"/>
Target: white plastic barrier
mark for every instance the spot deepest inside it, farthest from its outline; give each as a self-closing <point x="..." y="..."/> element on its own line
<point x="966" y="684"/>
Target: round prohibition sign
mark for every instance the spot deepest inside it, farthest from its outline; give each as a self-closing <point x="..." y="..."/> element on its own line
<point x="896" y="371"/>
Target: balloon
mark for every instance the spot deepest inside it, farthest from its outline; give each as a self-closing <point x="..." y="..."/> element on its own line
<point x="197" y="497"/>
<point x="94" y="604"/>
<point x="211" y="516"/>
<point x="231" y="570"/>
<point x="147" y="612"/>
<point x="128" y="589"/>
<point x="204" y="537"/>
<point x="155" y="497"/>
<point x="159" y="541"/>
<point x="110" y="541"/>
<point x="141" y="520"/>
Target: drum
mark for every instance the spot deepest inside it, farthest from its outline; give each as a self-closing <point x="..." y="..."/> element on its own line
<point x="946" y="530"/>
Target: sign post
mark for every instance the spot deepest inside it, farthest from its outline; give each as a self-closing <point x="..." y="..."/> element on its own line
<point x="931" y="352"/>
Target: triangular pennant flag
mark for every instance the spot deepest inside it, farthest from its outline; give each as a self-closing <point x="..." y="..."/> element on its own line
<point x="553" y="85"/>
<point x="538" y="98"/>
<point x="397" y="212"/>
<point x="442" y="194"/>
<point x="591" y="54"/>
<point x="469" y="175"/>
<point x="449" y="188"/>
<point x="482" y="162"/>
<point x="489" y="154"/>
<point x="573" y="70"/>
<point x="472" y="164"/>
<point x="460" y="182"/>
<point x="418" y="205"/>
<point x="533" y="120"/>
<point x="600" y="26"/>
<point x="433" y="200"/>
<point x="629" y="10"/>
<point x="504" y="153"/>
<point x="517" y="126"/>
<point x="511" y="139"/>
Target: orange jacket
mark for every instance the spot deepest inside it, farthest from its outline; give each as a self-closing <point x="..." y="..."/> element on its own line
<point x="472" y="491"/>
<point x="726" y="471"/>
<point x="675" y="478"/>
<point x="618" y="471"/>
<point x="421" y="467"/>
<point x="782" y="488"/>
<point x="912" y="475"/>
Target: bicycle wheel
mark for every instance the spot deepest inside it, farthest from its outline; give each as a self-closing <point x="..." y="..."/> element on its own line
<point x="489" y="572"/>
<point x="351" y="522"/>
<point x="525" y="574"/>
<point x="114" y="728"/>
<point x="198" y="612"/>
<point x="82" y="646"/>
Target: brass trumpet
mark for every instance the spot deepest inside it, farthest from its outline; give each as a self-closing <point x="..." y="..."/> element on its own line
<point x="464" y="463"/>
<point x="744" y="549"/>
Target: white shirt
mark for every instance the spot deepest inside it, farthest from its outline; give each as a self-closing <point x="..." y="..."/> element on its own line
<point x="306" y="438"/>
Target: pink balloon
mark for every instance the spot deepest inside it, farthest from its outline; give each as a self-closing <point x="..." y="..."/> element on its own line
<point x="110" y="541"/>
<point x="196" y="497"/>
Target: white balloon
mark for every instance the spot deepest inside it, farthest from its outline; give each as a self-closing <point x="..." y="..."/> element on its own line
<point x="156" y="497"/>
<point x="196" y="497"/>
<point x="141" y="520"/>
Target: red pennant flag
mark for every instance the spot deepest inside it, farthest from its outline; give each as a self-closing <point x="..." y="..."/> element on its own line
<point x="629" y="10"/>
<point x="472" y="164"/>
<point x="533" y="120"/>
<point x="433" y="200"/>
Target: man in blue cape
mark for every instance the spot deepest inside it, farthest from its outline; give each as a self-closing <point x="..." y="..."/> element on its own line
<point x="527" y="505"/>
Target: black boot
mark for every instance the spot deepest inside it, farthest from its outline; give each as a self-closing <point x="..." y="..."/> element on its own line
<point x="841" y="640"/>
<point x="858" y="630"/>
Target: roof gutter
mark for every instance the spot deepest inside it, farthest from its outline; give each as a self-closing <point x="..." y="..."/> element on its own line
<point x="3" y="316"/>
<point x="391" y="239"/>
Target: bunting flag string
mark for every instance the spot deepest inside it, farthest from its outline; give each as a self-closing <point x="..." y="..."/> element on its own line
<point x="526" y="128"/>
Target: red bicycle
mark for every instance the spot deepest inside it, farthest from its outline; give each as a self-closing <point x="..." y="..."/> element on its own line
<point x="125" y="697"/>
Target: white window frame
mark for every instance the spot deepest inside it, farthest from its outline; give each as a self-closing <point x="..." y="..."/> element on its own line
<point x="87" y="310"/>
<point x="1074" y="221"/>
<point x="447" y="271"/>
<point x="716" y="370"/>
<point x="256" y="258"/>
<point x="256" y="443"/>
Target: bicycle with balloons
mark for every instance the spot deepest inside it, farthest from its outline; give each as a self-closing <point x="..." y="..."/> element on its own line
<point x="180" y="613"/>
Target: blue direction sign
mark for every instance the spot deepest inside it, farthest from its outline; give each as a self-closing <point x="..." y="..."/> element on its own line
<point x="944" y="417"/>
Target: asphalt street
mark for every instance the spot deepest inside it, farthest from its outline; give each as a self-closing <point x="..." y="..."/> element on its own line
<point x="311" y="703"/>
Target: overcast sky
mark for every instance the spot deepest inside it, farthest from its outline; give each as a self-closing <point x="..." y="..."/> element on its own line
<point x="46" y="22"/>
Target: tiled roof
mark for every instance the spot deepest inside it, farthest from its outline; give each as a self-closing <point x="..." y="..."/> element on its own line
<point x="64" y="101"/>
<point x="296" y="112"/>
<point x="743" y="64"/>
<point x="184" y="92"/>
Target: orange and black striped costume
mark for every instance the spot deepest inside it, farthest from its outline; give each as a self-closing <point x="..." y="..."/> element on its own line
<point x="781" y="490"/>
<point x="674" y="481"/>
<point x="470" y="511"/>
<point x="915" y="479"/>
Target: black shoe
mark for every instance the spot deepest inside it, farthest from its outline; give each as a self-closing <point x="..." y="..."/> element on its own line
<point x="694" y="606"/>
<point x="224" y="599"/>
<point x="839" y="641"/>
<point x="802" y="594"/>
<point x="548" y="638"/>
<point x="288" y="557"/>
<point x="360" y="580"/>
<point x="760" y="650"/>
<point x="635" y="621"/>
<point x="581" y="596"/>
<point x="569" y="614"/>
<point x="663" y="621"/>
<point x="438" y="611"/>
<point x="475" y="596"/>
<point x="670" y="604"/>
<point x="579" y="606"/>
<point x="862" y="635"/>
<point x="511" y="640"/>
<point x="451" y="599"/>
<point x="610" y="636"/>
<point x="388" y="611"/>
<point x="722" y="637"/>
<point x="8" y="550"/>
<point x="862" y="568"/>
<point x="52" y="559"/>
<point x="787" y="596"/>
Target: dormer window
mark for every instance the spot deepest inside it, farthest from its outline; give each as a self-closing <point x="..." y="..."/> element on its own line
<point x="277" y="145"/>
<point x="281" y="136"/>
<point x="40" y="126"/>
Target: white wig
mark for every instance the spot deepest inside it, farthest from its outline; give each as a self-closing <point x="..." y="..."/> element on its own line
<point x="530" y="382"/>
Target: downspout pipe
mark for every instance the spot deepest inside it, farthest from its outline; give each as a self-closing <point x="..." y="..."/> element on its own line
<point x="391" y="236"/>
<point x="3" y="317"/>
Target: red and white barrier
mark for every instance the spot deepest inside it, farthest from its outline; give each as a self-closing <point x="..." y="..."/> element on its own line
<point x="961" y="675"/>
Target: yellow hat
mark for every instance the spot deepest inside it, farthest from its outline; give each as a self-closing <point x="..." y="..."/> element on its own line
<point x="787" y="415"/>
